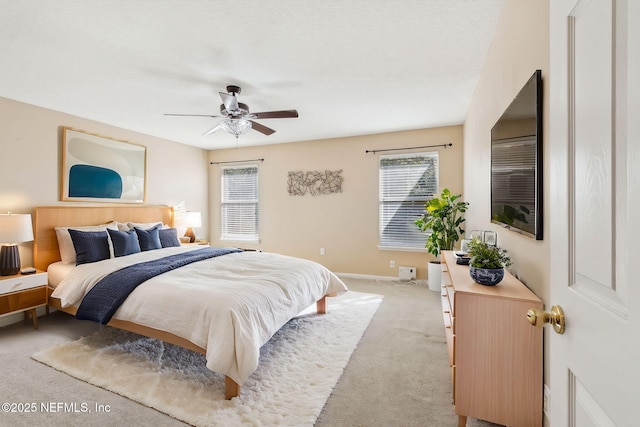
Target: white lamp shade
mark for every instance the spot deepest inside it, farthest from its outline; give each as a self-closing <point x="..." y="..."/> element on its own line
<point x="192" y="219"/>
<point x="15" y="228"/>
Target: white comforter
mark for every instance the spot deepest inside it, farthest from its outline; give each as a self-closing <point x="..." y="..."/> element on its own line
<point x="230" y="305"/>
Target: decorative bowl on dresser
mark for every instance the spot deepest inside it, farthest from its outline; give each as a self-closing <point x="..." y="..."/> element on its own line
<point x="486" y="276"/>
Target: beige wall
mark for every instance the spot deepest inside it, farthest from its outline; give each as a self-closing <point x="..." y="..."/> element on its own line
<point x="514" y="129"/>
<point x="520" y="46"/>
<point x="345" y="224"/>
<point x="30" y="163"/>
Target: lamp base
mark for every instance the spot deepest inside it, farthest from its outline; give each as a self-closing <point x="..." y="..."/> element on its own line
<point x="9" y="260"/>
<point x="190" y="234"/>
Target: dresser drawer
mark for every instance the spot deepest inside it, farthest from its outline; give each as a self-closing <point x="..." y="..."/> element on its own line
<point x="448" y="327"/>
<point x="451" y="346"/>
<point x="23" y="300"/>
<point x="446" y="278"/>
<point x="446" y="308"/>
<point x="451" y="299"/>
<point x="21" y="282"/>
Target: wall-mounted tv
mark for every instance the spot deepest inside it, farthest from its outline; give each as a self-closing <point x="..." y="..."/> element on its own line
<point x="516" y="162"/>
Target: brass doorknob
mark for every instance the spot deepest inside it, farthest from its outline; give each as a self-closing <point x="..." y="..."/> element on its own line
<point x="555" y="318"/>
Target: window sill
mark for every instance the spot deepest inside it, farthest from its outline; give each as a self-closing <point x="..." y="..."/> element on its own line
<point x="402" y="249"/>
<point x="252" y="241"/>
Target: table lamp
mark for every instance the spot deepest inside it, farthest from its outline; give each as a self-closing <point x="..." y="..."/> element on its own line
<point x="14" y="229"/>
<point x="192" y="220"/>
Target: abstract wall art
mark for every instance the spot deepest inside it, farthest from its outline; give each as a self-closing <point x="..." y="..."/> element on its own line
<point x="314" y="182"/>
<point x="100" y="169"/>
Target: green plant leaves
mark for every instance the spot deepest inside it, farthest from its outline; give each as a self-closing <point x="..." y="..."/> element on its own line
<point x="484" y="255"/>
<point x="443" y="218"/>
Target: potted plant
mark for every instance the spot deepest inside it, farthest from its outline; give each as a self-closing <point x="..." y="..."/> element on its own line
<point x="443" y="218"/>
<point x="487" y="262"/>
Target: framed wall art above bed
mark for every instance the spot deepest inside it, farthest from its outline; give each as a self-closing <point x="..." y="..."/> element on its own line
<point x="101" y="169"/>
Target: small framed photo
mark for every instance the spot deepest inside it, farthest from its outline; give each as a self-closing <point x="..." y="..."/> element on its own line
<point x="490" y="238"/>
<point x="475" y="235"/>
<point x="464" y="245"/>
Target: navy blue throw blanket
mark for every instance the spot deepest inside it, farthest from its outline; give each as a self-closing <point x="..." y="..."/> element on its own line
<point x="110" y="292"/>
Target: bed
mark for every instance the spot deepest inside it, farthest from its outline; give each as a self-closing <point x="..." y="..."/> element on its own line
<point x="225" y="307"/>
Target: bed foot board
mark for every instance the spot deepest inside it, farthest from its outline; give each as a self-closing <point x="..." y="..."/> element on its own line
<point x="232" y="389"/>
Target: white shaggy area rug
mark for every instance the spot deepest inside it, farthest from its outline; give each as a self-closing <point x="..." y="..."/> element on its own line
<point x="299" y="367"/>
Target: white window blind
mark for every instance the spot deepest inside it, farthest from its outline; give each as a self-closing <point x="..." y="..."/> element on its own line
<point x="240" y="203"/>
<point x="407" y="182"/>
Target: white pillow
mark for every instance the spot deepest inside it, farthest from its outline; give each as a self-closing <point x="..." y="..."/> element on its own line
<point x="122" y="226"/>
<point x="65" y="244"/>
<point x="144" y="225"/>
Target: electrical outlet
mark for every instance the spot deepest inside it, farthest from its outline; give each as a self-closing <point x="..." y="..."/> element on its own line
<point x="392" y="264"/>
<point x="545" y="400"/>
<point x="321" y="251"/>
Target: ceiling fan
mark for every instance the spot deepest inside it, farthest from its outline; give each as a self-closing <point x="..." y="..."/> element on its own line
<point x="237" y="117"/>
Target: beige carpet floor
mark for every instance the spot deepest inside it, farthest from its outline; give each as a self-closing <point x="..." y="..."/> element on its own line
<point x="298" y="369"/>
<point x="397" y="376"/>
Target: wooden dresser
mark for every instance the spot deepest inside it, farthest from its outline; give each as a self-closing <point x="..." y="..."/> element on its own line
<point x="494" y="353"/>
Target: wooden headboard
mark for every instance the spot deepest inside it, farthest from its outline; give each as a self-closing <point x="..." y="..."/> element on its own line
<point x="45" y="247"/>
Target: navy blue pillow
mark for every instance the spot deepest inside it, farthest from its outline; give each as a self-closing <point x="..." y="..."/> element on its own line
<point x="91" y="246"/>
<point x="124" y="242"/>
<point x="149" y="239"/>
<point x="169" y="237"/>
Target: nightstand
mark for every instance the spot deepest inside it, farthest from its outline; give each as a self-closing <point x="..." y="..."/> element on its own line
<point x="23" y="292"/>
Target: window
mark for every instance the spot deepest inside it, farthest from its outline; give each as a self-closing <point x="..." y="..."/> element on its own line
<point x="407" y="182"/>
<point x="240" y="203"/>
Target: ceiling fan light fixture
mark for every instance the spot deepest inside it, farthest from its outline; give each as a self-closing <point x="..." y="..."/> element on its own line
<point x="236" y="127"/>
<point x="237" y="120"/>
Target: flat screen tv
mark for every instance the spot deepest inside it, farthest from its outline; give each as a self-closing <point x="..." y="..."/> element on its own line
<point x="516" y="163"/>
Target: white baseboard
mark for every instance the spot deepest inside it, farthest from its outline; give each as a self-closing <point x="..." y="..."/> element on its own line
<point x="368" y="277"/>
<point x="382" y="278"/>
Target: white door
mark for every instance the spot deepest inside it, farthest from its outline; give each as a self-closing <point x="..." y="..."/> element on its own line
<point x="594" y="154"/>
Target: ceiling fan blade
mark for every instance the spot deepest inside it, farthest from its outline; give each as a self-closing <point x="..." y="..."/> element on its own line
<point x="190" y="115"/>
<point x="283" y="114"/>
<point x="230" y="102"/>
<point x="261" y="128"/>
<point x="213" y="129"/>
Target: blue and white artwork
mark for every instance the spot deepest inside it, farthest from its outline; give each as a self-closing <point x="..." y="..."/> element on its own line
<point x="102" y="169"/>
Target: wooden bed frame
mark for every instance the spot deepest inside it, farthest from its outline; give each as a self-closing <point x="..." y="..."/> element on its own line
<point x="45" y="252"/>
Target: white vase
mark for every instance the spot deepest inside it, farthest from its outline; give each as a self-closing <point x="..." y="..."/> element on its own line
<point x="435" y="276"/>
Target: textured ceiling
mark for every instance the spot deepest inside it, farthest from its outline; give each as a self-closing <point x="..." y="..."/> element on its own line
<point x="350" y="67"/>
